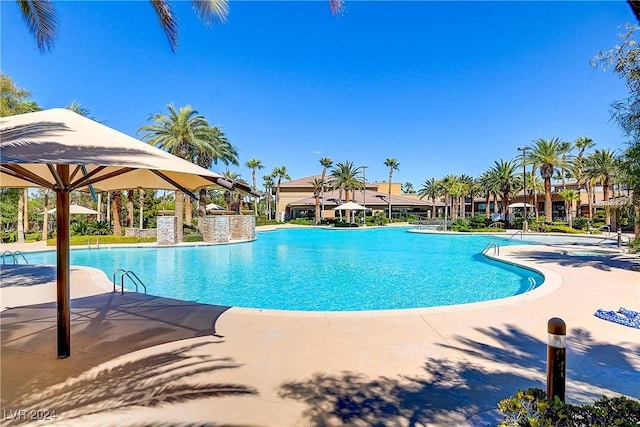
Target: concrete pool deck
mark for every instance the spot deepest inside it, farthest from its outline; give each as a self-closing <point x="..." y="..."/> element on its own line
<point x="144" y="360"/>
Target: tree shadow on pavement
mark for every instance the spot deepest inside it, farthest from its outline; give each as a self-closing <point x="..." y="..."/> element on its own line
<point x="461" y="392"/>
<point x="166" y="377"/>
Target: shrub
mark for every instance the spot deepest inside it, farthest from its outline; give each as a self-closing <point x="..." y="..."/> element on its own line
<point x="192" y="237"/>
<point x="634" y="246"/>
<point x="80" y="228"/>
<point x="302" y="221"/>
<point x="32" y="237"/>
<point x="580" y="223"/>
<point x="459" y="224"/>
<point x="478" y="221"/>
<point x="532" y="407"/>
<point x="560" y="229"/>
<point x="8" y="236"/>
<point x="379" y="218"/>
<point x="101" y="228"/>
<point x="103" y="240"/>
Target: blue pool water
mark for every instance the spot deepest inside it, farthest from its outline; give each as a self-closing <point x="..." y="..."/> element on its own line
<point x="320" y="270"/>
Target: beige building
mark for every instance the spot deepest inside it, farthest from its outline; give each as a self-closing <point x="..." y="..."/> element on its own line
<point x="297" y="201"/>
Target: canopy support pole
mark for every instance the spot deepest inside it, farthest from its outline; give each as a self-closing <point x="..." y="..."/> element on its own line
<point x="63" y="267"/>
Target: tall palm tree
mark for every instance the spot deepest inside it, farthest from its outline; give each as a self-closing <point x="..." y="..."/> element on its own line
<point x="446" y="184"/>
<point x="318" y="185"/>
<point x="392" y="164"/>
<point x="569" y="196"/>
<point x="42" y="20"/>
<point x="345" y="177"/>
<point x="218" y="149"/>
<point x="432" y="189"/>
<point x="268" y="187"/>
<point x="182" y="132"/>
<point x="507" y="179"/>
<point x="325" y="162"/>
<point x="487" y="184"/>
<point x="279" y="173"/>
<point x="466" y="182"/>
<point x="407" y="188"/>
<point x="254" y="165"/>
<point x="547" y="155"/>
<point x="116" y="209"/>
<point x="582" y="143"/>
<point x="601" y="166"/>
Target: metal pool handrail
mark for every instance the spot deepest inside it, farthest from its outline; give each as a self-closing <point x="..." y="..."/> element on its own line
<point x="492" y="245"/>
<point x="132" y="276"/>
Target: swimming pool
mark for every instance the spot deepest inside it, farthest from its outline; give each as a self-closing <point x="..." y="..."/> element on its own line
<point x="320" y="270"/>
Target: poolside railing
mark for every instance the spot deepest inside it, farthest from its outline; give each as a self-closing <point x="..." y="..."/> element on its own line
<point x="132" y="276"/>
<point x="492" y="245"/>
<point x="14" y="257"/>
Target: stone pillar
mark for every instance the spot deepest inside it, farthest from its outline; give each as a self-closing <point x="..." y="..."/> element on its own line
<point x="216" y="229"/>
<point x="243" y="227"/>
<point x="167" y="232"/>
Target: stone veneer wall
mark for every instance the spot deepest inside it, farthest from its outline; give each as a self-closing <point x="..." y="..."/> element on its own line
<point x="243" y="227"/>
<point x="167" y="231"/>
<point x="140" y="232"/>
<point x="216" y="229"/>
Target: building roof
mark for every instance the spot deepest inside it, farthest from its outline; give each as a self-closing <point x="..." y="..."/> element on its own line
<point x="373" y="199"/>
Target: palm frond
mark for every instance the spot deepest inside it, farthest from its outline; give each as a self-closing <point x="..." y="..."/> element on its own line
<point x="168" y="21"/>
<point x="210" y="11"/>
<point x="40" y="16"/>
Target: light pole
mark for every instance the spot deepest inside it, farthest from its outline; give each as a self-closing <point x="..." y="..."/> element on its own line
<point x="525" y="222"/>
<point x="364" y="194"/>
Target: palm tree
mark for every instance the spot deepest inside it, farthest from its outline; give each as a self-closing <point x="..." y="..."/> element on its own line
<point x="507" y="179"/>
<point x="601" y="166"/>
<point x="466" y="182"/>
<point x="254" y="165"/>
<point x="407" y="188"/>
<point x="318" y="185"/>
<point x="231" y="196"/>
<point x="547" y="155"/>
<point x="268" y="187"/>
<point x="446" y="184"/>
<point x="116" y="208"/>
<point x="432" y="189"/>
<point x="569" y="197"/>
<point x="487" y="184"/>
<point x="279" y="172"/>
<point x="325" y="162"/>
<point x="183" y="133"/>
<point x="345" y="177"/>
<point x="392" y="164"/>
<point x="582" y="143"/>
<point x="218" y="149"/>
<point x="42" y="20"/>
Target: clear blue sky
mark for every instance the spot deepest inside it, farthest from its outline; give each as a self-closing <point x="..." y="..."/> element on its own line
<point x="444" y="87"/>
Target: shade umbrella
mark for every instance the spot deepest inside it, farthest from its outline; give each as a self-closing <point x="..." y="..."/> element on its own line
<point x="520" y="205"/>
<point x="64" y="151"/>
<point x="76" y="210"/>
<point x="214" y="207"/>
<point x="349" y="206"/>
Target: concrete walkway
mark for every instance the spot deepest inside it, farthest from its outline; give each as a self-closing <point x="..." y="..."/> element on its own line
<point x="144" y="360"/>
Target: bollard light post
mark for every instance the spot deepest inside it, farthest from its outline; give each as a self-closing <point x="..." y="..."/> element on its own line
<point x="619" y="237"/>
<point x="556" y="358"/>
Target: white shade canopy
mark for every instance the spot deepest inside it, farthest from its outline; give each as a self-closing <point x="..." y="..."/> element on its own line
<point x="76" y="209"/>
<point x="214" y="207"/>
<point x="349" y="206"/>
<point x="520" y="205"/>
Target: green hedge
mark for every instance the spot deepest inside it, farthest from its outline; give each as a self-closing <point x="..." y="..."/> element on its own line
<point x="103" y="240"/>
<point x="532" y="408"/>
<point x="302" y="221"/>
<point x="192" y="238"/>
<point x="482" y="230"/>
